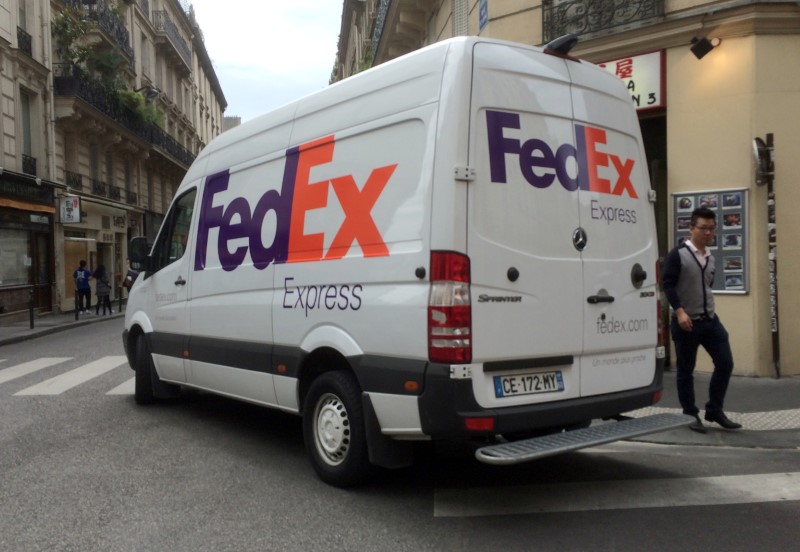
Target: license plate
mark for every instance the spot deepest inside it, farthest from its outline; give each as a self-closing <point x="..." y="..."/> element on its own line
<point x="528" y="384"/>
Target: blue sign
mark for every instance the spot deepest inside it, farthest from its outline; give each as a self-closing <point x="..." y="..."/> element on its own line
<point x="483" y="14"/>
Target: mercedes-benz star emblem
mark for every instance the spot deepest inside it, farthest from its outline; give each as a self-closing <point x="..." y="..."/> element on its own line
<point x="579" y="238"/>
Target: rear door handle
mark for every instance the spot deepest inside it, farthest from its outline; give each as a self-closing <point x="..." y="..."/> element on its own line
<point x="180" y="281"/>
<point x="594" y="299"/>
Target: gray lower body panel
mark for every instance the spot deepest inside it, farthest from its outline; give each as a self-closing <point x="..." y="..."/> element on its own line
<point x="516" y="452"/>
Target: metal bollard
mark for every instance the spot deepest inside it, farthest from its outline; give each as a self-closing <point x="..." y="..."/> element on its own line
<point x="30" y="305"/>
<point x="120" y="299"/>
<point x="76" y="304"/>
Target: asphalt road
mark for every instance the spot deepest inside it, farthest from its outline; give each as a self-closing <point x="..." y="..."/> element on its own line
<point x="82" y="470"/>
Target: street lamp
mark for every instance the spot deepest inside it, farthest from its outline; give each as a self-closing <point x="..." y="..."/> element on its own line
<point x="150" y="92"/>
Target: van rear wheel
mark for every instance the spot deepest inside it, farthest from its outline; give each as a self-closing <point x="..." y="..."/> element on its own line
<point x="333" y="430"/>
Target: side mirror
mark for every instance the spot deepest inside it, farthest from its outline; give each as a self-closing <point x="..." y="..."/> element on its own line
<point x="138" y="250"/>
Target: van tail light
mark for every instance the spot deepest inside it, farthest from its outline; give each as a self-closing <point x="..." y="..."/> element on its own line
<point x="449" y="309"/>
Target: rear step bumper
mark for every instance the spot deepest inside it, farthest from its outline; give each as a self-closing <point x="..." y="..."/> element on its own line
<point x="525" y="450"/>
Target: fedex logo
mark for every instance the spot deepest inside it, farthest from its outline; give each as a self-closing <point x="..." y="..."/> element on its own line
<point x="540" y="165"/>
<point x="239" y="222"/>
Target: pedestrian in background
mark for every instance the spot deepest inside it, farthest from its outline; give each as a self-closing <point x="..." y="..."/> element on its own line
<point x="82" y="287"/>
<point x="102" y="290"/>
<point x="687" y="279"/>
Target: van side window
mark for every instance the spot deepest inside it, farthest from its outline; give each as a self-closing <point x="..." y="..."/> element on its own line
<point x="174" y="237"/>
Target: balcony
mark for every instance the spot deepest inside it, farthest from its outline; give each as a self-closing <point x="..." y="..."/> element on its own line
<point x="24" y="42"/>
<point x="101" y="14"/>
<point x="99" y="188"/>
<point x="590" y="17"/>
<point x="401" y="26"/>
<point x="29" y="165"/>
<point x="67" y="81"/>
<point x="169" y="38"/>
<point x="74" y="181"/>
<point x="131" y="197"/>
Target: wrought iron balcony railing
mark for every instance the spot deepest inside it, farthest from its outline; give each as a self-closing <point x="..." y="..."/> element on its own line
<point x="28" y="164"/>
<point x="380" y="21"/>
<point x="163" y="23"/>
<point x="131" y="197"/>
<point x="74" y="180"/>
<point x="24" y="41"/>
<point x="583" y="17"/>
<point x="100" y="12"/>
<point x="68" y="81"/>
<point x="98" y="188"/>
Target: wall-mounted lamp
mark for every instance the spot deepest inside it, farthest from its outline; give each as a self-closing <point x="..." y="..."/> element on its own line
<point x="701" y="46"/>
<point x="149" y="92"/>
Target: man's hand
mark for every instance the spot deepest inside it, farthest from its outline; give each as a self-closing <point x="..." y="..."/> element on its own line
<point x="684" y="321"/>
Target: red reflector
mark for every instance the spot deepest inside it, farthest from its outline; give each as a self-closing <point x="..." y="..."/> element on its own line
<point x="479" y="424"/>
<point x="657" y="396"/>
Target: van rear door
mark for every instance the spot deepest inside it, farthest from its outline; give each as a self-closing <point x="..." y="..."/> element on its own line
<point x="559" y="230"/>
<point x="620" y="321"/>
<point x="527" y="276"/>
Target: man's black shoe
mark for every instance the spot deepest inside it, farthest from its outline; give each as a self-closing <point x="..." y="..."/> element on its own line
<point x="722" y="419"/>
<point x="697" y="425"/>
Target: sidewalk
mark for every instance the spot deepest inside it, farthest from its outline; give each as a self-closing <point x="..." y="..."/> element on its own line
<point x="17" y="332"/>
<point x="768" y="408"/>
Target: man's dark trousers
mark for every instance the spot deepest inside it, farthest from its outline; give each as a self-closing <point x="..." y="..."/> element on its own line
<point x="712" y="335"/>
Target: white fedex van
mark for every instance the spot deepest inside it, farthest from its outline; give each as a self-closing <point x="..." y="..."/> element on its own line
<point x="458" y="243"/>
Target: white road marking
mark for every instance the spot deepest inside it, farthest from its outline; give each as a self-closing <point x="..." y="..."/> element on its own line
<point x="73" y="378"/>
<point x="126" y="388"/>
<point x="617" y="495"/>
<point x="8" y="374"/>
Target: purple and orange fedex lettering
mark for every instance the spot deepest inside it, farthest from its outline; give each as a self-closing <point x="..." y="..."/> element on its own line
<point x="297" y="196"/>
<point x="537" y="154"/>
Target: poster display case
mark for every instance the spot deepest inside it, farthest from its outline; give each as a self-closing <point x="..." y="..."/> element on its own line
<point x="729" y="247"/>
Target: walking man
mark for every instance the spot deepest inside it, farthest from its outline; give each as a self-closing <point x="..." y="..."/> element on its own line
<point x="82" y="287"/>
<point x="687" y="279"/>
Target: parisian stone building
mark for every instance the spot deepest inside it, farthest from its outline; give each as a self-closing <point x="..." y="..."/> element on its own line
<point x="105" y="104"/>
<point x="717" y="88"/>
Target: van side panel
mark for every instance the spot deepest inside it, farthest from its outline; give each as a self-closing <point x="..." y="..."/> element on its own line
<point x="242" y="208"/>
<point x="360" y="232"/>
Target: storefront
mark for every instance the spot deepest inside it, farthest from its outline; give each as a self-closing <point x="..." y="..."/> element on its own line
<point x="94" y="231"/>
<point x="26" y="245"/>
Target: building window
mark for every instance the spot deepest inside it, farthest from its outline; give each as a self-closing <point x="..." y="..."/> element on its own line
<point x="145" y="55"/>
<point x="94" y="161"/>
<point x="15" y="259"/>
<point x="23" y="15"/>
<point x="110" y="169"/>
<point x="28" y="160"/>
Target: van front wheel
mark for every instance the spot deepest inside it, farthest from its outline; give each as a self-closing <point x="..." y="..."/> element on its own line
<point x="333" y="429"/>
<point x="143" y="384"/>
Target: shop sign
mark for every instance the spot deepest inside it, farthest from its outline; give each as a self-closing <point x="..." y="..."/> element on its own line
<point x="643" y="76"/>
<point x="70" y="210"/>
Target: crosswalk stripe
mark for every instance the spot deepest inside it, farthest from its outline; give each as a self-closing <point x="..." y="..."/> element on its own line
<point x="73" y="378"/>
<point x="617" y="495"/>
<point x="126" y="388"/>
<point x="8" y="374"/>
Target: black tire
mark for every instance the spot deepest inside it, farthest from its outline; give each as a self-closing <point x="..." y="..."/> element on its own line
<point x="333" y="430"/>
<point x="143" y="388"/>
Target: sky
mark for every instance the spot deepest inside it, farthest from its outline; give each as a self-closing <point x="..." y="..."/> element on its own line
<point x="267" y="53"/>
